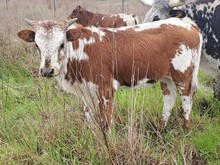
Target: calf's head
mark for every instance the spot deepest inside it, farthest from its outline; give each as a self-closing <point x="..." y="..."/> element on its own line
<point x="163" y="9"/>
<point x="51" y="39"/>
<point x="78" y="13"/>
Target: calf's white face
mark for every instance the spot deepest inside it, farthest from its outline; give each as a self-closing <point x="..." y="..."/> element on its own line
<point x="50" y="39"/>
<point x="51" y="47"/>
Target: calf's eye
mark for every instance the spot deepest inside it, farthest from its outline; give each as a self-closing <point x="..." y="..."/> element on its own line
<point x="62" y="46"/>
<point x="36" y="46"/>
<point x="156" y="18"/>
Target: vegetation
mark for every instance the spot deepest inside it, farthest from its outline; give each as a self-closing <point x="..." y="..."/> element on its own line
<point x="40" y="124"/>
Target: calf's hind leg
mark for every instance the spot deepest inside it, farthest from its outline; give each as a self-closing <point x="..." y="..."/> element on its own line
<point x="169" y="99"/>
<point x="187" y="91"/>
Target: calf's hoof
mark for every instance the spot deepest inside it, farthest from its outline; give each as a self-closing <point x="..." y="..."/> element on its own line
<point x="161" y="125"/>
<point x="186" y="124"/>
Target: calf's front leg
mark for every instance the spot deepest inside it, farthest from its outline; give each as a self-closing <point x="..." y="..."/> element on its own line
<point x="105" y="106"/>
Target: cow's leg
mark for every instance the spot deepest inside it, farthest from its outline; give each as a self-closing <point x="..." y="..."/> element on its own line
<point x="216" y="87"/>
<point x="187" y="91"/>
<point x="105" y="106"/>
<point x="169" y="99"/>
<point x="187" y="106"/>
<point x="106" y="94"/>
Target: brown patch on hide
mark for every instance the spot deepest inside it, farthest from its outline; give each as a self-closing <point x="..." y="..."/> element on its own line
<point x="47" y="25"/>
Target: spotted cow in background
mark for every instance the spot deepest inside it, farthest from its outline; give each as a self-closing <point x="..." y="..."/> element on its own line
<point x="93" y="63"/>
<point x="206" y="14"/>
<point x="87" y="18"/>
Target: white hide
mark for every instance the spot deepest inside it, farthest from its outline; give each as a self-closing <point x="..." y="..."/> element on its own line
<point x="49" y="44"/>
<point x="183" y="58"/>
<point x="129" y="19"/>
<point x="186" y="105"/>
<point x="152" y="25"/>
<point x="79" y="54"/>
<point x="169" y="99"/>
<point x="116" y="85"/>
<point x="100" y="33"/>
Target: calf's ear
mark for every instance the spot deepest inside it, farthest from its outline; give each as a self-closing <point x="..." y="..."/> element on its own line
<point x="73" y="35"/>
<point x="177" y="13"/>
<point x="26" y="35"/>
<point x="79" y="8"/>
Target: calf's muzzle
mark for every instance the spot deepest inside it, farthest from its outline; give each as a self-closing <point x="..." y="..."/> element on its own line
<point x="47" y="72"/>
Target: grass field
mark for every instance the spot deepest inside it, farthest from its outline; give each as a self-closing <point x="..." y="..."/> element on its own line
<point x="40" y="124"/>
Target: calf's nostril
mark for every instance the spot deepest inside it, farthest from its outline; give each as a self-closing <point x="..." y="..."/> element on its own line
<point x="52" y="72"/>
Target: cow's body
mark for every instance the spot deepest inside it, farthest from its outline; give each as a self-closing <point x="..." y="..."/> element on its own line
<point x="206" y="14"/>
<point x="98" y="61"/>
<point x="87" y="18"/>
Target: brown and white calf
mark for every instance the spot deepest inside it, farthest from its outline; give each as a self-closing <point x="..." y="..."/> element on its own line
<point x="87" y="18"/>
<point x="94" y="62"/>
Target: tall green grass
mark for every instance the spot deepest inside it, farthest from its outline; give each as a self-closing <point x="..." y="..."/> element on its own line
<point x="40" y="124"/>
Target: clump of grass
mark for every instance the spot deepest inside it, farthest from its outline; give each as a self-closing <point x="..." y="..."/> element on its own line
<point x="207" y="143"/>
